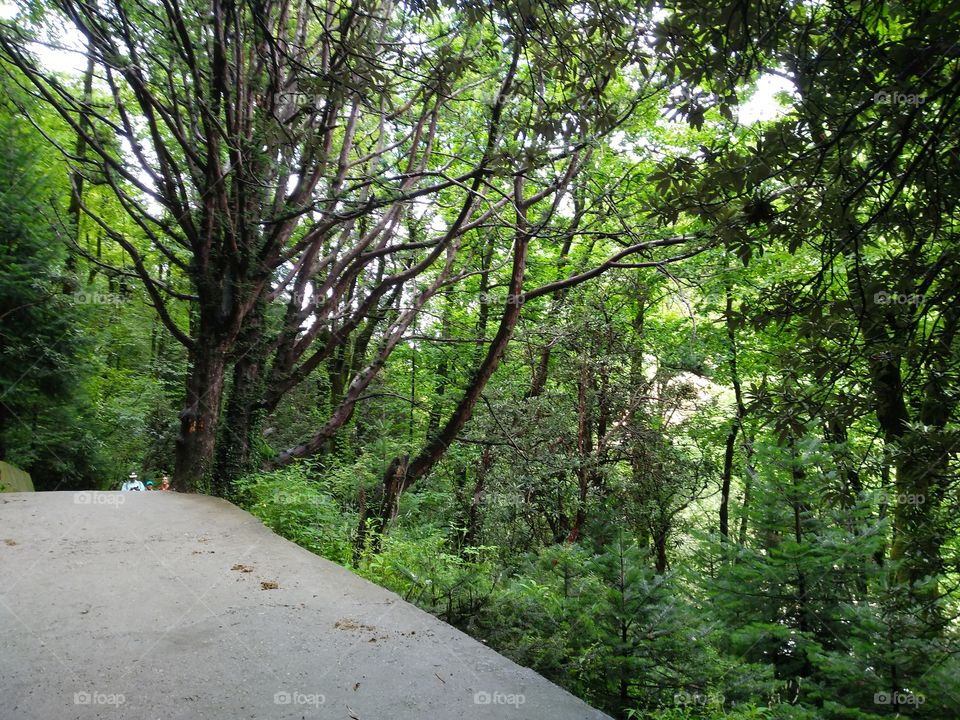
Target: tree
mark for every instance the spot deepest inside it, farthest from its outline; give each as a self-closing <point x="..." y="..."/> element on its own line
<point x="44" y="415"/>
<point x="856" y="170"/>
<point x="275" y="151"/>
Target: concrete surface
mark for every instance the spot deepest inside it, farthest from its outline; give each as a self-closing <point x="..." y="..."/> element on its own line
<point x="159" y="606"/>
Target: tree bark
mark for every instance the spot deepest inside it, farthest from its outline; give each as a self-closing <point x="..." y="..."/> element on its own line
<point x="660" y="550"/>
<point x="736" y="423"/>
<point x="472" y="525"/>
<point x="919" y="457"/>
<point x="199" y="418"/>
<point x="584" y="451"/>
<point x="442" y="372"/>
<point x="242" y="421"/>
<point x="76" y="177"/>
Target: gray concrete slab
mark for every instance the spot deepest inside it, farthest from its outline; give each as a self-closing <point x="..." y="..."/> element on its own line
<point x="161" y="606"/>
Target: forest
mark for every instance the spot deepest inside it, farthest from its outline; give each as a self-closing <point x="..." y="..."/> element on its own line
<point x="621" y="335"/>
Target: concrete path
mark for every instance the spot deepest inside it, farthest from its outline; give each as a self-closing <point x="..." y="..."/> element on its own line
<point x="159" y="606"/>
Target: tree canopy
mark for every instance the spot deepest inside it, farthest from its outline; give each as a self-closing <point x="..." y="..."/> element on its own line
<point x="551" y="316"/>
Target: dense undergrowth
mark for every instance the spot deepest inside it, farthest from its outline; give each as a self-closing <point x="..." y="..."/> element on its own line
<point x="599" y="621"/>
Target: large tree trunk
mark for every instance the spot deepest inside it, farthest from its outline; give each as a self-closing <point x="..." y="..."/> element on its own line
<point x="242" y="422"/>
<point x="920" y="457"/>
<point x="923" y="473"/>
<point x="196" y="442"/>
<point x="916" y="542"/>
<point x="660" y="538"/>
<point x="3" y="429"/>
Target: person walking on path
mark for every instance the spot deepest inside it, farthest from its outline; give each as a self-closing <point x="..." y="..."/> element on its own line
<point x="133" y="483"/>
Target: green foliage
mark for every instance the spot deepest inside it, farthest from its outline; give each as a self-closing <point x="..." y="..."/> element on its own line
<point x="45" y="416"/>
<point x="297" y="505"/>
<point x="797" y="372"/>
<point x="422" y="568"/>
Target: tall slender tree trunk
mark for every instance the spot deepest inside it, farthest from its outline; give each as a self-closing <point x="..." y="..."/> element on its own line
<point x="76" y="177"/>
<point x="486" y="261"/>
<point x="472" y="525"/>
<point x="538" y="381"/>
<point x="442" y="371"/>
<point x="402" y="474"/>
<point x="584" y="450"/>
<point x="736" y="423"/>
<point x="745" y="508"/>
<point x="801" y="512"/>
<point x="728" y="454"/>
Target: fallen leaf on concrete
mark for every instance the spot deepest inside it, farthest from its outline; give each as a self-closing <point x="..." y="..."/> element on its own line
<point x="348" y="624"/>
